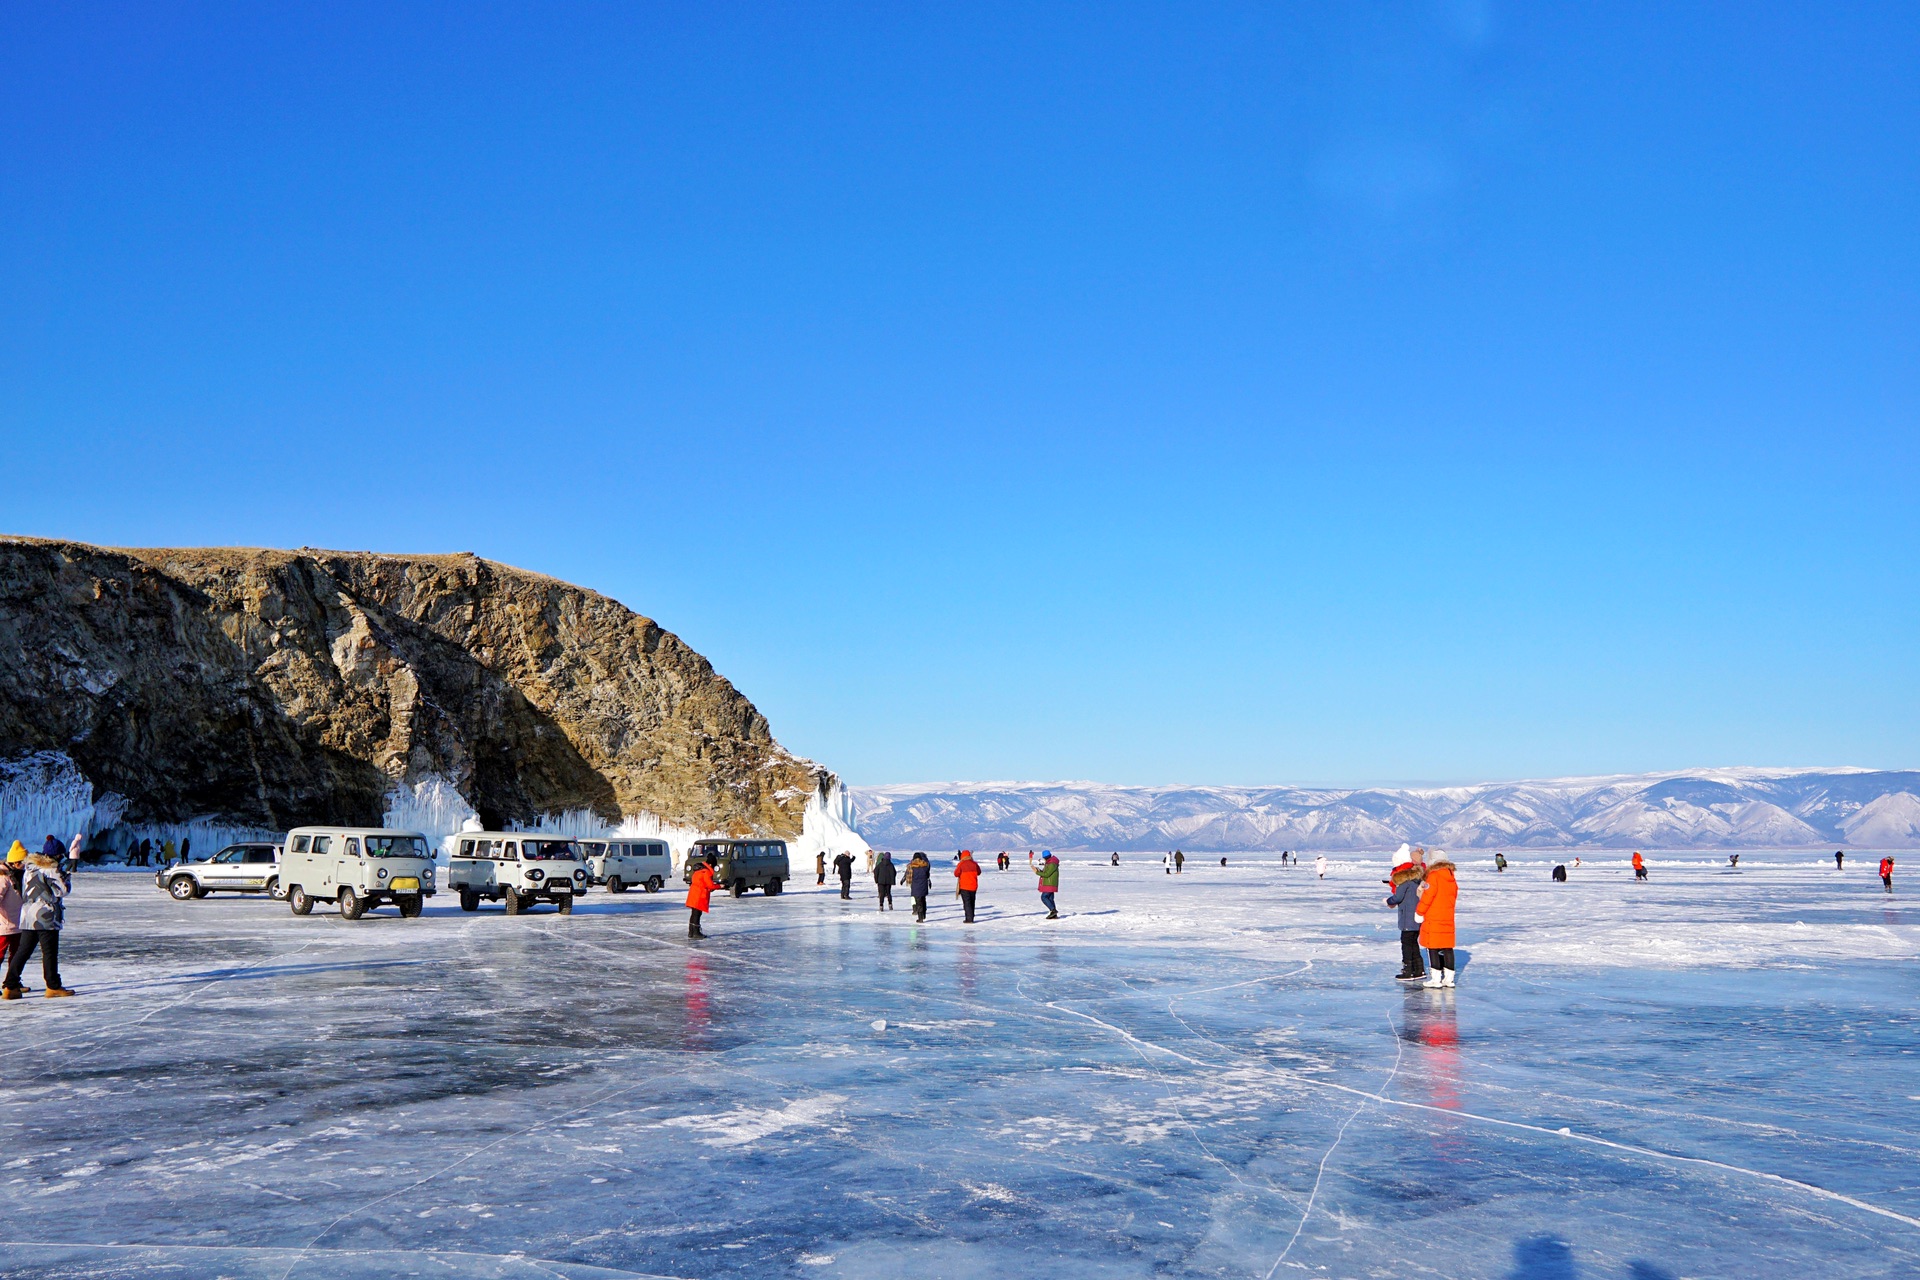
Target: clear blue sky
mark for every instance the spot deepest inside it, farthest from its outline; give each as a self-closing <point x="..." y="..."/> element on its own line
<point x="1196" y="393"/>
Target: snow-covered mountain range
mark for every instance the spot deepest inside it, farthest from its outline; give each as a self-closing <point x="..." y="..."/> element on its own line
<point x="1703" y="808"/>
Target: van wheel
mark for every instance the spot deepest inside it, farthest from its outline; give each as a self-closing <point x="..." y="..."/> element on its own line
<point x="655" y="884"/>
<point x="469" y="900"/>
<point x="183" y="888"/>
<point x="351" y="906"/>
<point x="297" y="899"/>
<point x="409" y="904"/>
<point x="273" y="889"/>
<point x="514" y="905"/>
<point x="616" y="885"/>
<point x="773" y="888"/>
<point x="565" y="904"/>
<point x="739" y="888"/>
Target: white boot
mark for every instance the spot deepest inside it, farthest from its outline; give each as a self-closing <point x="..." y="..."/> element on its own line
<point x="1433" y="979"/>
<point x="1446" y="977"/>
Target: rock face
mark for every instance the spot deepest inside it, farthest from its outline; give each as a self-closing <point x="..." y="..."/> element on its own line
<point x="276" y="688"/>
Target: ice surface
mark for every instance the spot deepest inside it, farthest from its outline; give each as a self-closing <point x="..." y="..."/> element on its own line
<point x="1711" y="1074"/>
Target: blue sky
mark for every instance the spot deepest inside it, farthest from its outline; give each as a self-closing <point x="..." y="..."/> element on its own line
<point x="1166" y="393"/>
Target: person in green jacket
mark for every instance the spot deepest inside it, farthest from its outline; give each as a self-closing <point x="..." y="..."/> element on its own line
<point x="1049" y="872"/>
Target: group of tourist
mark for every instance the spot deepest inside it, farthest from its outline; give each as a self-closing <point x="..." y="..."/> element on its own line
<point x="916" y="877"/>
<point x="33" y="901"/>
<point x="1424" y="893"/>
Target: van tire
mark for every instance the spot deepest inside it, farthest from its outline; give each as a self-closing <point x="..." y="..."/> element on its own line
<point x="655" y="884"/>
<point x="773" y="888"/>
<point x="616" y="885"/>
<point x="739" y="889"/>
<point x="513" y="901"/>
<point x="298" y="900"/>
<point x="351" y="906"/>
<point x="565" y="904"/>
<point x="183" y="889"/>
<point x="409" y="904"/>
<point x="469" y="900"/>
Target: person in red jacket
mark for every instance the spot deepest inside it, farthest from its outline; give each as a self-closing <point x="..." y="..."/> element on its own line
<point x="700" y="895"/>
<point x="967" y="872"/>
<point x="1639" y="866"/>
<point x="1886" y="873"/>
<point x="1438" y="895"/>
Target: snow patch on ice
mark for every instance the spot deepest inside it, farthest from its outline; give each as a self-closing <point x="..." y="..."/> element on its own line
<point x="744" y="1126"/>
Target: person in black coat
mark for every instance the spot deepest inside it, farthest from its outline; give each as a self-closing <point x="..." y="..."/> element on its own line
<point x="919" y="881"/>
<point x="884" y="875"/>
<point x="843" y="867"/>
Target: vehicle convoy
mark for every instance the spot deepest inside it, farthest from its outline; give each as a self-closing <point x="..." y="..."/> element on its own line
<point x="358" y="867"/>
<point x="744" y="864"/>
<point x="249" y="867"/>
<point x="520" y="868"/>
<point x="622" y="864"/>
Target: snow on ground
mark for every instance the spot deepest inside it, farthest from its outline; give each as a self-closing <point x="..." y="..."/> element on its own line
<point x="1711" y="1074"/>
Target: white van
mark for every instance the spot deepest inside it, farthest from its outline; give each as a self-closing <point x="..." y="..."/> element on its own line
<point x="357" y="867"/>
<point x="622" y="864"/>
<point x="519" y="867"/>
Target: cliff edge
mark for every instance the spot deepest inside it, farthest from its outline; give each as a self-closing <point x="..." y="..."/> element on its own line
<point x="273" y="688"/>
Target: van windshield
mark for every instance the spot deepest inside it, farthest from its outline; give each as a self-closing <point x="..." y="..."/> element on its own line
<point x="396" y="847"/>
<point x="542" y="850"/>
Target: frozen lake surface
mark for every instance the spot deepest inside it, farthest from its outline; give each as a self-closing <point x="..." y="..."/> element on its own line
<point x="1711" y="1074"/>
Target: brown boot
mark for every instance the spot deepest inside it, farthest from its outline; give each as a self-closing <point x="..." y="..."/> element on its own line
<point x="9" y="993"/>
<point x="57" y="991"/>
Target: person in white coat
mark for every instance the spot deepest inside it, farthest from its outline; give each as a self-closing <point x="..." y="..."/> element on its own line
<point x="1320" y="865"/>
<point x="1166" y="863"/>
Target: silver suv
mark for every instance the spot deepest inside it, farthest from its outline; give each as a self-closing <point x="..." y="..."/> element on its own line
<point x="239" y="868"/>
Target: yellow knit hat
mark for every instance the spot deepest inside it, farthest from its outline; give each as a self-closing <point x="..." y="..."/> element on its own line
<point x="17" y="854"/>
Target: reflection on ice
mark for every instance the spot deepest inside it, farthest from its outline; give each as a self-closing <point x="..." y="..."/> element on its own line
<point x="1209" y="1076"/>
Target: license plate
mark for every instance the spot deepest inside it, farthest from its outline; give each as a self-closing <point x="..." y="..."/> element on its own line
<point x="562" y="886"/>
<point x="410" y="884"/>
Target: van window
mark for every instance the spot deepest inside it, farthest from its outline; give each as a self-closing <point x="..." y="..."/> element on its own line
<point x="353" y="847"/>
<point x="541" y="850"/>
<point x="466" y="848"/>
<point x="322" y="844"/>
<point x="508" y="849"/>
<point x="396" y="847"/>
<point x="300" y="844"/>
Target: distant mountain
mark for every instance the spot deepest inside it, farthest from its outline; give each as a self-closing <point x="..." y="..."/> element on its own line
<point x="1699" y="809"/>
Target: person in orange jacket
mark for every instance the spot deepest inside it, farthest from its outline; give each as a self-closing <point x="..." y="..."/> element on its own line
<point x="700" y="895"/>
<point x="1886" y="873"/>
<point x="1639" y="866"/>
<point x="967" y="872"/>
<point x="1437" y="897"/>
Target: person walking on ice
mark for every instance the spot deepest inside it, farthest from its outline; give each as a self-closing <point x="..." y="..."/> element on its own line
<point x="1406" y="897"/>
<point x="1166" y="863"/>
<point x="919" y="881"/>
<point x="1049" y="873"/>
<point x="1437" y="899"/>
<point x="700" y="895"/>
<point x="43" y="892"/>
<point x="1320" y="865"/>
<point x="1179" y="861"/>
<point x="843" y="867"/>
<point x="1839" y="860"/>
<point x="1639" y="866"/>
<point x="967" y="872"/>
<point x="1886" y="872"/>
<point x="883" y="877"/>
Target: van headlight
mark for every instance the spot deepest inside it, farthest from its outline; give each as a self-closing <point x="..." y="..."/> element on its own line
<point x="383" y="873"/>
<point x="580" y="873"/>
<point x="536" y="875"/>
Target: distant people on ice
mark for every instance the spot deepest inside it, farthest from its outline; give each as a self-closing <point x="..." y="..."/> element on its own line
<point x="966" y="872"/>
<point x="1499" y="862"/>
<point x="1405" y="882"/>
<point x="843" y="867"/>
<point x="1886" y="872"/>
<point x="1639" y="866"/>
<point x="1320" y="865"/>
<point x="1839" y="860"/>
<point x="1049" y="872"/>
<point x="1179" y="861"/>
<point x="1733" y="859"/>
<point x="1437" y="897"/>
<point x="1166" y="862"/>
<point x="1005" y="860"/>
<point x="884" y="876"/>
<point x="919" y="881"/>
<point x="1116" y="857"/>
<point x="1560" y="873"/>
<point x="820" y="866"/>
<point x="700" y="894"/>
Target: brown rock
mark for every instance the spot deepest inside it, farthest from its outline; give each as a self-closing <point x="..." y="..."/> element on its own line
<point x="274" y="688"/>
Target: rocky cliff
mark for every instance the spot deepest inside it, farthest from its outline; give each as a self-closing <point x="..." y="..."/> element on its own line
<point x="273" y="688"/>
